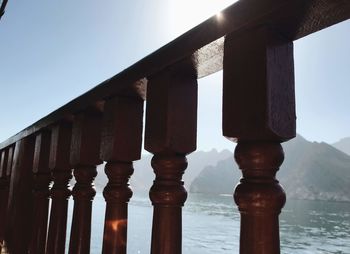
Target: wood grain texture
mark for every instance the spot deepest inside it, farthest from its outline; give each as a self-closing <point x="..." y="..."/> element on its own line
<point x="42" y="153"/>
<point x="120" y="145"/>
<point x="171" y="112"/>
<point x="117" y="194"/>
<point x="4" y="191"/>
<point x="122" y="129"/>
<point x="83" y="194"/>
<point x="168" y="195"/>
<point x="3" y="162"/>
<point x="61" y="135"/>
<point x="259" y="196"/>
<point x="20" y="207"/>
<point x="86" y="136"/>
<point x="84" y="156"/>
<point x="170" y="134"/>
<point x="258" y="91"/>
<point x="10" y="160"/>
<point x="41" y="192"/>
<point x="259" y="113"/>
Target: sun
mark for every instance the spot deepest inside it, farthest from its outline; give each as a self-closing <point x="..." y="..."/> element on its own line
<point x="186" y="14"/>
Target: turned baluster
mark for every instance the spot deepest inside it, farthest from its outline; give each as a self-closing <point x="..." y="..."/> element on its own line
<point x="42" y="179"/>
<point x="120" y="145"/>
<point x="18" y="225"/>
<point x="171" y="120"/>
<point x="259" y="113"/>
<point x="61" y="175"/>
<point x="84" y="157"/>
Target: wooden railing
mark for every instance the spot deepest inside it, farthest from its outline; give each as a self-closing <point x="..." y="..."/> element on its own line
<point x="253" y="44"/>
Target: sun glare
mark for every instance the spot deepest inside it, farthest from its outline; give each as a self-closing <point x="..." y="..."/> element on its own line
<point x="219" y="16"/>
<point x="186" y="14"/>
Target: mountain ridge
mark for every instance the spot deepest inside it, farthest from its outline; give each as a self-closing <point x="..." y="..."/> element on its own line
<point x="311" y="170"/>
<point x="343" y="145"/>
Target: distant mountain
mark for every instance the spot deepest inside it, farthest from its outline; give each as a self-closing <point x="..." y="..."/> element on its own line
<point x="197" y="161"/>
<point x="343" y="145"/>
<point x="218" y="179"/>
<point x="314" y="171"/>
<point x="143" y="176"/>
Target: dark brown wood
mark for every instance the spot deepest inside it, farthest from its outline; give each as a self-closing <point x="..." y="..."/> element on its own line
<point x="171" y="112"/>
<point x="171" y="121"/>
<point x="83" y="194"/>
<point x="6" y="176"/>
<point x="259" y="112"/>
<point x="265" y="96"/>
<point x="294" y="19"/>
<point x="42" y="180"/>
<point x="117" y="195"/>
<point x="4" y="192"/>
<point x="258" y="93"/>
<point x="3" y="162"/>
<point x="10" y="160"/>
<point x="122" y="129"/>
<point x="84" y="156"/>
<point x="19" y="224"/>
<point x="168" y="195"/>
<point x="61" y="175"/>
<point x="259" y="196"/>
<point x="120" y="145"/>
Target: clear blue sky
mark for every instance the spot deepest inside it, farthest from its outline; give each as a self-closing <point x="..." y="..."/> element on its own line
<point x="53" y="51"/>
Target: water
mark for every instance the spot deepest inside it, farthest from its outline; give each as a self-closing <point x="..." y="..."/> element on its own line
<point x="211" y="225"/>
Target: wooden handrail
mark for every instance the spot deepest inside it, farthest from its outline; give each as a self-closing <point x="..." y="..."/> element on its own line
<point x="252" y="41"/>
<point x="293" y="18"/>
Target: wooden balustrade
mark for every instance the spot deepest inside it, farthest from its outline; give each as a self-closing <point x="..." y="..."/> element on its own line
<point x="121" y="144"/>
<point x="41" y="181"/>
<point x="20" y="206"/>
<point x="84" y="157"/>
<point x="61" y="175"/>
<point x="259" y="112"/>
<point x="171" y="121"/>
<point x="255" y="40"/>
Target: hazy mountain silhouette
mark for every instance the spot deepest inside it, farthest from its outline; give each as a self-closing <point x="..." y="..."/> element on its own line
<point x="343" y="145"/>
<point x="143" y="176"/>
<point x="311" y="170"/>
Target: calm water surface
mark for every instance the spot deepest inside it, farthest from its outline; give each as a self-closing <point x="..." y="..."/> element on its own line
<point x="211" y="225"/>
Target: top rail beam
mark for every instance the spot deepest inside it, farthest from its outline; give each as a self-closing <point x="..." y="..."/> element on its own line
<point x="293" y="18"/>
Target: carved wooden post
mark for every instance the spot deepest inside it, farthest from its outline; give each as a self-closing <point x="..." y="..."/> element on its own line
<point x="4" y="191"/>
<point x="18" y="228"/>
<point x="120" y="145"/>
<point x="10" y="161"/>
<point x="61" y="174"/>
<point x="84" y="157"/>
<point x="42" y="179"/>
<point x="171" y="121"/>
<point x="259" y="112"/>
<point x="6" y="168"/>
